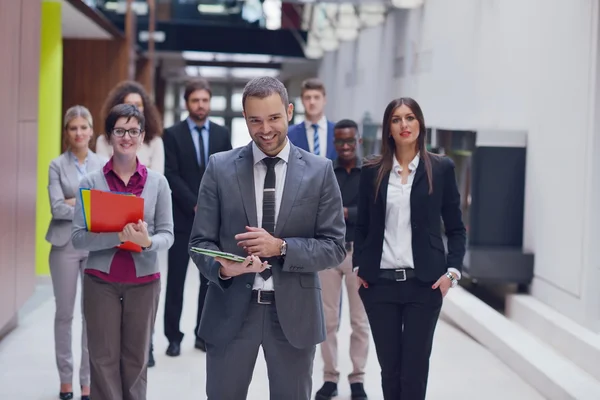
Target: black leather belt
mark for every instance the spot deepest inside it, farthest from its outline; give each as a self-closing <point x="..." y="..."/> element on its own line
<point x="263" y="296"/>
<point x="398" y="275"/>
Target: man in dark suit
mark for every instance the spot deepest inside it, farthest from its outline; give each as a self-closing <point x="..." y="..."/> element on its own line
<point x="188" y="145"/>
<point x="315" y="134"/>
<point x="281" y="205"/>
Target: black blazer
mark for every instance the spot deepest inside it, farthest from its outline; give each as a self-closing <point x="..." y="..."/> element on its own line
<point x="429" y="255"/>
<point x="182" y="169"/>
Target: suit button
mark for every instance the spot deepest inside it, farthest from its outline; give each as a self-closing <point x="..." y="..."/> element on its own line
<point x="249" y="286"/>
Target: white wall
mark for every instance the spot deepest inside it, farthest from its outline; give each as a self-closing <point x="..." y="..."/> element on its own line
<point x="503" y="64"/>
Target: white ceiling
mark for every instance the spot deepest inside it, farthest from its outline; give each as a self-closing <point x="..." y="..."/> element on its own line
<point x="76" y="25"/>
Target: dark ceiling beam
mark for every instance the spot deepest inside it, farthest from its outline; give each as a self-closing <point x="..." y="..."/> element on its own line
<point x="233" y="64"/>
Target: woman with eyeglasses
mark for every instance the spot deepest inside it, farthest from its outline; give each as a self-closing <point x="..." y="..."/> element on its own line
<point x="122" y="288"/>
<point x="399" y="254"/>
<point x="151" y="151"/>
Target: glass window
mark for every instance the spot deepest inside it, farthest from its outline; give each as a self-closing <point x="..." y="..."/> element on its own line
<point x="184" y="114"/>
<point x="236" y="100"/>
<point x="239" y="133"/>
<point x="218" y="103"/>
<point x="217" y="120"/>
<point x="298" y="106"/>
<point x="298" y="118"/>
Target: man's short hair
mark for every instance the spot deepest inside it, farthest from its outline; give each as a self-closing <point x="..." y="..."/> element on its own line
<point x="264" y="87"/>
<point x="346" y="123"/>
<point x="312" y="84"/>
<point x="197" y="84"/>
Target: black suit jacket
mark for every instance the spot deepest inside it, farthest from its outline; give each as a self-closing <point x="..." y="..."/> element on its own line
<point x="182" y="169"/>
<point x="429" y="255"/>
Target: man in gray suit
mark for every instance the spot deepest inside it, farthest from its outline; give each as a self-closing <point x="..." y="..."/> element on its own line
<point x="277" y="205"/>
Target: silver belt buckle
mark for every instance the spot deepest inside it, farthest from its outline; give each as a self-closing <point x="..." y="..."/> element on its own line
<point x="259" y="298"/>
<point x="403" y="275"/>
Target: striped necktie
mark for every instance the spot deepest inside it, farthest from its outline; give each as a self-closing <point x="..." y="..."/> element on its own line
<point x="316" y="146"/>
<point x="268" y="216"/>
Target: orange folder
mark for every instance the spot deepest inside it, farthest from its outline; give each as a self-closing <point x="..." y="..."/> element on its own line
<point x="110" y="212"/>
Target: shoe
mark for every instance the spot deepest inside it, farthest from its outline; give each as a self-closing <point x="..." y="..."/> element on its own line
<point x="174" y="349"/>
<point x="327" y="391"/>
<point x="151" y="362"/>
<point x="85" y="397"/>
<point x="65" y="395"/>
<point x="200" y="344"/>
<point x="358" y="391"/>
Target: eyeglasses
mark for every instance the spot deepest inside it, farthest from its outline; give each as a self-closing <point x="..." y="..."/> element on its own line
<point x="120" y="132"/>
<point x="341" y="142"/>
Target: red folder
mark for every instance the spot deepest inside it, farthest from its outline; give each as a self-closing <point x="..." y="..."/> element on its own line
<point x="110" y="212"/>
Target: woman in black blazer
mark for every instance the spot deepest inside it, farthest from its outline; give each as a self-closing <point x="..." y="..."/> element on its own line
<point x="398" y="249"/>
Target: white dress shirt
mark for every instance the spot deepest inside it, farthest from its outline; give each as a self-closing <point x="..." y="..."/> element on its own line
<point x="397" y="241"/>
<point x="310" y="136"/>
<point x="260" y="172"/>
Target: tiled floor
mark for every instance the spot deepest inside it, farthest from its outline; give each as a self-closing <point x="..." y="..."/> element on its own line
<point x="460" y="367"/>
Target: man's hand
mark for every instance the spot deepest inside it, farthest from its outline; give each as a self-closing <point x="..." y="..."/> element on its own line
<point x="258" y="242"/>
<point x="251" y="265"/>
<point x="345" y="212"/>
<point x="196" y="208"/>
<point x="70" y="201"/>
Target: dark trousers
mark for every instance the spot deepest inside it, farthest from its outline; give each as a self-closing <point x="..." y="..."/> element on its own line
<point x="229" y="368"/>
<point x="403" y="316"/>
<point x="119" y="319"/>
<point x="177" y="269"/>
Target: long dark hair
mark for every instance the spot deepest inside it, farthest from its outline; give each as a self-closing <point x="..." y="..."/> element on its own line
<point x="385" y="161"/>
<point x="151" y="115"/>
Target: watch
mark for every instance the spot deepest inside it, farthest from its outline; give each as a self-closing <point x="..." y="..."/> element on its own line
<point x="453" y="280"/>
<point x="283" y="248"/>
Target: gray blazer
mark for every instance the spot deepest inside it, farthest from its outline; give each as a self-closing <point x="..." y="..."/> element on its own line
<point x="311" y="220"/>
<point x="158" y="214"/>
<point x="63" y="183"/>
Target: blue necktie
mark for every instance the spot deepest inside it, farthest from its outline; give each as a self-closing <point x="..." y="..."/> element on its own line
<point x="316" y="147"/>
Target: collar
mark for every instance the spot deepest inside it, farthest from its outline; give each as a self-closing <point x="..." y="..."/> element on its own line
<point x="322" y="122"/>
<point x="139" y="168"/>
<point x="258" y="155"/>
<point x="358" y="165"/>
<point x="76" y="160"/>
<point x="412" y="166"/>
<point x="192" y="125"/>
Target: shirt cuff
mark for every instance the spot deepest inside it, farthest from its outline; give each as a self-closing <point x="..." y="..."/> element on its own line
<point x="457" y="272"/>
<point x="222" y="277"/>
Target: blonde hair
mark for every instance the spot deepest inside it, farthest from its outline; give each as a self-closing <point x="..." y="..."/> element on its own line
<point x="75" y="112"/>
<point x="72" y="113"/>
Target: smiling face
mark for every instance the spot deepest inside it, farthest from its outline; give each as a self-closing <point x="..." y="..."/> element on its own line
<point x="345" y="141"/>
<point x="128" y="144"/>
<point x="78" y="132"/>
<point x="267" y="120"/>
<point x="404" y="126"/>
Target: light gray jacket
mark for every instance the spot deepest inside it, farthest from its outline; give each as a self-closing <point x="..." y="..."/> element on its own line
<point x="63" y="183"/>
<point x="158" y="214"/>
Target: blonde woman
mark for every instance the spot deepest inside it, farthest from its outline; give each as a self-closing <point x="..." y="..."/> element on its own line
<point x="66" y="263"/>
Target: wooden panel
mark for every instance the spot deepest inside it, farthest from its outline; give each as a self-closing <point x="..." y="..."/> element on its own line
<point x="29" y="61"/>
<point x="26" y="208"/>
<point x="10" y="17"/>
<point x="91" y="68"/>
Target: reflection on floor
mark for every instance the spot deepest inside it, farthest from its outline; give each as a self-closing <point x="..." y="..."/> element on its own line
<point x="460" y="367"/>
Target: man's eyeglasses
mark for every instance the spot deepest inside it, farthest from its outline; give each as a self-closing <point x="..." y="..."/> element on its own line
<point x="341" y="142"/>
<point x="120" y="132"/>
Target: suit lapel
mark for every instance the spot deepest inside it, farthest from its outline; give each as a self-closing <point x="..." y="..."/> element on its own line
<point x="303" y="139"/>
<point x="383" y="189"/>
<point x="70" y="170"/>
<point x="419" y="191"/>
<point x="293" y="179"/>
<point x="187" y="144"/>
<point x="244" y="167"/>
<point x="331" y="153"/>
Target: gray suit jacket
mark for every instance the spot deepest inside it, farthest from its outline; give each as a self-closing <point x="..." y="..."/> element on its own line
<point x="64" y="184"/>
<point x="311" y="221"/>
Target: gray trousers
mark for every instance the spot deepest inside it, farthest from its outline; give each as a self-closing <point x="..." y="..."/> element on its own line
<point x="66" y="268"/>
<point x="229" y="369"/>
<point x="119" y="320"/>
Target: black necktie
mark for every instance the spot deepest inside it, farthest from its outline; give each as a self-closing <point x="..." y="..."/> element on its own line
<point x="201" y="160"/>
<point x="268" y="217"/>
